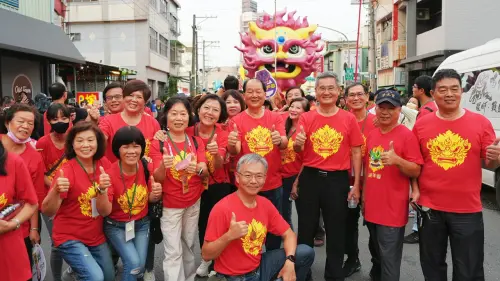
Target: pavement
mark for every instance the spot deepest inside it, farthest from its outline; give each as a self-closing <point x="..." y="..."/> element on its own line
<point x="410" y="265"/>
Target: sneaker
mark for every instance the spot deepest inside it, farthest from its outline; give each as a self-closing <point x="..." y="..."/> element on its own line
<point x="411" y="238"/>
<point x="351" y="267"/>
<point x="202" y="270"/>
<point x="318" y="242"/>
<point x="212" y="273"/>
<point x="149" y="276"/>
<point x="68" y="275"/>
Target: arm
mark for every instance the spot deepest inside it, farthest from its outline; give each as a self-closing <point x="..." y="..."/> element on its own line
<point x="408" y="168"/>
<point x="51" y="203"/>
<point x="103" y="204"/>
<point x="160" y="173"/>
<point x="212" y="250"/>
<point x="356" y="162"/>
<point x="47" y="181"/>
<point x="289" y="242"/>
<point x="218" y="161"/>
<point x="25" y="214"/>
<point x="234" y="149"/>
<point x="284" y="143"/>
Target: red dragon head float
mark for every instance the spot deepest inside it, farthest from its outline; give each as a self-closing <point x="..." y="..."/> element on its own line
<point x="297" y="48"/>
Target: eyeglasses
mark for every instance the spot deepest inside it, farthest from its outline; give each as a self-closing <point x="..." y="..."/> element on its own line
<point x="353" y="95"/>
<point x="327" y="88"/>
<point x="249" y="176"/>
<point x="115" y="97"/>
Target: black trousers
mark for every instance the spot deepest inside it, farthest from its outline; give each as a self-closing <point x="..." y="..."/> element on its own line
<point x="352" y="233"/>
<point x="209" y="198"/>
<point x="466" y="235"/>
<point x="388" y="250"/>
<point x="326" y="192"/>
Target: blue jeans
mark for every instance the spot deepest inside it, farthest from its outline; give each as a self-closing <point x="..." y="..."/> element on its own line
<point x="273" y="242"/>
<point x="286" y="206"/>
<point x="89" y="263"/>
<point x="133" y="252"/>
<point x="273" y="261"/>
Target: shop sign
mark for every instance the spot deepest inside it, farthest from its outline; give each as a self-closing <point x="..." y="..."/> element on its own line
<point x="21" y="85"/>
<point x="89" y="97"/>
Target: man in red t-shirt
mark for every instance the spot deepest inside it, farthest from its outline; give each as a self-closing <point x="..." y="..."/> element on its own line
<point x="237" y="228"/>
<point x="113" y="96"/>
<point x="58" y="94"/>
<point x="260" y="131"/>
<point x="453" y="141"/>
<point x="422" y="92"/>
<point x="331" y="141"/>
<point x="393" y="158"/>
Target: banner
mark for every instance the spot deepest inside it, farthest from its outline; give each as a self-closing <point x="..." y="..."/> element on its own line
<point x="88" y="97"/>
<point x="266" y="77"/>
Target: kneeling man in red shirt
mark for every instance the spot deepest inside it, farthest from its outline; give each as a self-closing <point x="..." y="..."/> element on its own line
<point x="237" y="229"/>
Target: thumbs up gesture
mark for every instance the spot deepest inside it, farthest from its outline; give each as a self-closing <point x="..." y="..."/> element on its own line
<point x="104" y="180"/>
<point x="212" y="147"/>
<point x="192" y="165"/>
<point x="62" y="183"/>
<point x="156" y="189"/>
<point x="301" y="137"/>
<point x="275" y="136"/>
<point x="493" y="151"/>
<point x="390" y="157"/>
<point x="168" y="160"/>
<point x="237" y="229"/>
<point x="233" y="137"/>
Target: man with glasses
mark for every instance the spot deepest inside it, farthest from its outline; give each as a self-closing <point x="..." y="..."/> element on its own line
<point x="237" y="228"/>
<point x="331" y="141"/>
<point x="113" y="94"/>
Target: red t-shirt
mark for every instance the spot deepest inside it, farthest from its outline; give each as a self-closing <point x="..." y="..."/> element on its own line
<point x="329" y="140"/>
<point x="216" y="175"/>
<point x="148" y="111"/>
<point x="424" y="110"/>
<point x="46" y="125"/>
<point x="174" y="195"/>
<point x="451" y="175"/>
<point x="291" y="162"/>
<point x="243" y="255"/>
<point x="255" y="137"/>
<point x="366" y="126"/>
<point x="73" y="220"/>
<point x="16" y="186"/>
<point x="386" y="189"/>
<point x="112" y="123"/>
<point x="121" y="199"/>
<point x="50" y="155"/>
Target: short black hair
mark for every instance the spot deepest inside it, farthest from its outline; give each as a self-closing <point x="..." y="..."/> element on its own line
<point x="169" y="104"/>
<point x="55" y="108"/>
<point x="424" y="82"/>
<point x="137" y="85"/>
<point x="235" y="94"/>
<point x="111" y="86"/>
<point x="84" y="126"/>
<point x="295" y="88"/>
<point x="6" y="100"/>
<point x="443" y="74"/>
<point x="267" y="103"/>
<point x="127" y="135"/>
<point x="310" y="98"/>
<point x="57" y="91"/>
<point x="223" y="109"/>
<point x="264" y="87"/>
<point x="231" y="83"/>
<point x="365" y="89"/>
<point x="80" y="115"/>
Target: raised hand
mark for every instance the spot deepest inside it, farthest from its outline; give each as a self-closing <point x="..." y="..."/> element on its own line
<point x="237" y="229"/>
<point x="389" y="157"/>
<point x="301" y="137"/>
<point x="233" y="136"/>
<point x="93" y="111"/>
<point x="192" y="165"/>
<point x="213" y="147"/>
<point x="62" y="183"/>
<point x="156" y="189"/>
<point x="104" y="180"/>
<point x="493" y="151"/>
<point x="275" y="136"/>
<point x="160" y="135"/>
<point x="168" y="160"/>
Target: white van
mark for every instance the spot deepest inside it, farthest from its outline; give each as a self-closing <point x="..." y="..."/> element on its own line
<point x="479" y="68"/>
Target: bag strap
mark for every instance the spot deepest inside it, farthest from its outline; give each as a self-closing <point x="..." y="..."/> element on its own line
<point x="146" y="170"/>
<point x="51" y="170"/>
<point x="429" y="109"/>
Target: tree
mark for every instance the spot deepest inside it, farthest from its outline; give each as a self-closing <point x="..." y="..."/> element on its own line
<point x="172" y="87"/>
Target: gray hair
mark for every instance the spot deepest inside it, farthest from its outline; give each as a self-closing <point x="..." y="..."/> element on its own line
<point x="327" y="74"/>
<point x="251" y="158"/>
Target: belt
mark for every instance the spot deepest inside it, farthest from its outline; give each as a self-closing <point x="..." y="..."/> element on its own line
<point x="253" y="272"/>
<point x="323" y="173"/>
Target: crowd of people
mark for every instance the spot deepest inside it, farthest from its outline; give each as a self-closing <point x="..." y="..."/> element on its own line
<point x="112" y="184"/>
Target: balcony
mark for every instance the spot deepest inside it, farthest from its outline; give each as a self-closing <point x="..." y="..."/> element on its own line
<point x="99" y="11"/>
<point x="431" y="41"/>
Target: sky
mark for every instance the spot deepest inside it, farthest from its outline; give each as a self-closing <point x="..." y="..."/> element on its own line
<point x="336" y="14"/>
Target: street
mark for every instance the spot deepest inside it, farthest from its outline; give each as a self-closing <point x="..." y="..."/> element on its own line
<point x="410" y="265"/>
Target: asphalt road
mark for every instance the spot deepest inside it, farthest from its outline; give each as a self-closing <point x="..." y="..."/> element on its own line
<point x="410" y="267"/>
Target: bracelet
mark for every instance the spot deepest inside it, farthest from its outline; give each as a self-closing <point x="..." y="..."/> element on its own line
<point x="200" y="172"/>
<point x="101" y="191"/>
<point x="18" y="223"/>
<point x="34" y="229"/>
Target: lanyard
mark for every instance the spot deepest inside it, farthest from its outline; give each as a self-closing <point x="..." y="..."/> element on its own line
<point x="364" y="123"/>
<point x="92" y="181"/>
<point x="292" y="131"/>
<point x="197" y="130"/>
<point x="186" y="140"/>
<point x="130" y="202"/>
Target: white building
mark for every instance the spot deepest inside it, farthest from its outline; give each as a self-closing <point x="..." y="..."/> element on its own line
<point x="135" y="34"/>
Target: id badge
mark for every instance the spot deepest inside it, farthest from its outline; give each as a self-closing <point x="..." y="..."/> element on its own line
<point x="93" y="204"/>
<point x="129" y="231"/>
<point x="205" y="182"/>
<point x="185" y="183"/>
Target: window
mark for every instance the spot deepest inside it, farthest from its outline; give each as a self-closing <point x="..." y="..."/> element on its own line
<point x="163" y="9"/>
<point x="163" y="46"/>
<point x="153" y="39"/>
<point x="153" y="3"/>
<point x="173" y="22"/>
<point x="75" y="36"/>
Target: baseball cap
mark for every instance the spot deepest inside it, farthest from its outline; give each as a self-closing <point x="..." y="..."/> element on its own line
<point x="390" y="96"/>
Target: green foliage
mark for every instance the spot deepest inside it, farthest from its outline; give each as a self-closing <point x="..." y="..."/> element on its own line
<point x="172" y="87"/>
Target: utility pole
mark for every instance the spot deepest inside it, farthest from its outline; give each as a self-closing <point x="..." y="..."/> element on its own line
<point x="192" y="86"/>
<point x="373" y="48"/>
<point x="205" y="45"/>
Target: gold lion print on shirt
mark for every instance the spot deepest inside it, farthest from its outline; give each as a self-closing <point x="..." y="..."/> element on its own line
<point x="84" y="200"/>
<point x="177" y="175"/>
<point x="326" y="141"/>
<point x="288" y="155"/>
<point x="259" y="140"/>
<point x="140" y="199"/>
<point x="3" y="200"/>
<point x="448" y="150"/>
<point x="253" y="241"/>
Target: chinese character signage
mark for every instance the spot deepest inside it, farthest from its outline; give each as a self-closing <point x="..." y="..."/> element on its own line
<point x="88" y="97"/>
<point x="265" y="76"/>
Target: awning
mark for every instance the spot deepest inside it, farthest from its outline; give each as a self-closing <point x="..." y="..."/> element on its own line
<point x="27" y="35"/>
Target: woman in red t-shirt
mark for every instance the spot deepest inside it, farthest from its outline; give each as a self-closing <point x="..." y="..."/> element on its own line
<point x="291" y="163"/>
<point x="15" y="186"/>
<point x="211" y="111"/>
<point x="179" y="163"/>
<point x="79" y="199"/>
<point x="127" y="227"/>
<point x="135" y="95"/>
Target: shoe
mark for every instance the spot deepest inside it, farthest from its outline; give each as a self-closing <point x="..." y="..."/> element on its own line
<point x="149" y="276"/>
<point x="212" y="273"/>
<point x="351" y="267"/>
<point x="374" y="276"/>
<point x="68" y="275"/>
<point x="411" y="238"/>
<point x="318" y="242"/>
<point x="202" y="270"/>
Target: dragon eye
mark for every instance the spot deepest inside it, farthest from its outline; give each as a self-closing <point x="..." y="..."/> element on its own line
<point x="295" y="49"/>
<point x="268" y="49"/>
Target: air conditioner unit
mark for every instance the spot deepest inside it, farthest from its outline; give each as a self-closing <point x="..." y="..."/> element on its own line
<point x="423" y="14"/>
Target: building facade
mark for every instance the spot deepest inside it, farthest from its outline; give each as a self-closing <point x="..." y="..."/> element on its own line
<point x="140" y="35"/>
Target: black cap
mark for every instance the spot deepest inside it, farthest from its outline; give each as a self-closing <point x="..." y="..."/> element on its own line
<point x="390" y="96"/>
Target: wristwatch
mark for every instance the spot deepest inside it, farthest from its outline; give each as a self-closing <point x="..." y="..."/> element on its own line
<point x="101" y="191"/>
<point x="291" y="258"/>
<point x="200" y="172"/>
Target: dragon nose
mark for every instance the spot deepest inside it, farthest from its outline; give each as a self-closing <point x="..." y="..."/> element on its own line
<point x="280" y="40"/>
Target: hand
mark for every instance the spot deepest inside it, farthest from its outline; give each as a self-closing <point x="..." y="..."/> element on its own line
<point x="233" y="137"/>
<point x="34" y="236"/>
<point x="354" y="193"/>
<point x="213" y="147"/>
<point x="156" y="189"/>
<point x="237" y="229"/>
<point x="287" y="273"/>
<point x="375" y="122"/>
<point x="275" y="136"/>
<point x="493" y="151"/>
<point x="93" y="112"/>
<point x="295" y="188"/>
<point x="390" y="157"/>
<point x="62" y="183"/>
<point x="104" y="180"/>
<point x="160" y="135"/>
<point x="6" y="226"/>
<point x="168" y="160"/>
<point x="301" y="137"/>
<point x="415" y="195"/>
<point x="191" y="169"/>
